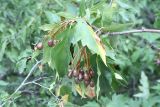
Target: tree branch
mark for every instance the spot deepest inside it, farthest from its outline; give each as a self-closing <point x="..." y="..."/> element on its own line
<point x="133" y="31"/>
<point x="34" y="82"/>
<point x="136" y="31"/>
<point x="21" y="85"/>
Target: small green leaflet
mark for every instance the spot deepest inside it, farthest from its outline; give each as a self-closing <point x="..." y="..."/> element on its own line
<point x="85" y="34"/>
<point x="144" y="87"/>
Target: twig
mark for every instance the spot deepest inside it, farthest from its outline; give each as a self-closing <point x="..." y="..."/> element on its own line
<point x="33" y="82"/>
<point x="21" y="85"/>
<point x="136" y="31"/>
<point x="30" y="72"/>
<point x="40" y="85"/>
<point x="38" y="79"/>
<point x="133" y="31"/>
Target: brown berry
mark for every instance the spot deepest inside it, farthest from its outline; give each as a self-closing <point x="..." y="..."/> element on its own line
<point x="70" y="73"/>
<point x="86" y="83"/>
<point x="86" y="76"/>
<point x="80" y="76"/>
<point x="81" y="71"/>
<point x="39" y="46"/>
<point x="50" y="43"/>
<point x="91" y="84"/>
<point x="75" y="73"/>
<point x="91" y="73"/>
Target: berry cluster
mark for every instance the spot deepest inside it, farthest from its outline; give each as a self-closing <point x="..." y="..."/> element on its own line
<point x="39" y="45"/>
<point x="80" y="76"/>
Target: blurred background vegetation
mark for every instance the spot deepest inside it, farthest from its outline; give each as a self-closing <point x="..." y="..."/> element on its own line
<point x="135" y="56"/>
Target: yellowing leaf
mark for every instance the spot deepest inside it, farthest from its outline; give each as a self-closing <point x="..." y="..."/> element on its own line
<point x="101" y="50"/>
<point x="90" y="92"/>
<point x="79" y="90"/>
<point x="65" y="98"/>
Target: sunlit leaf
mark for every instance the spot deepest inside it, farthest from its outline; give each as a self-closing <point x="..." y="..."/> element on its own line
<point x="88" y="37"/>
<point x="144" y="87"/>
<point x="118" y="76"/>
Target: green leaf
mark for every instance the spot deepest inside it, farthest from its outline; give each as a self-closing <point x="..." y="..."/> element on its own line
<point x="137" y="54"/>
<point x="117" y="27"/>
<point x="85" y="34"/>
<point x="134" y="103"/>
<point x="35" y="53"/>
<point x="91" y="104"/>
<point x="123" y="4"/>
<point x="46" y="51"/>
<point x="118" y="76"/>
<point x="66" y="15"/>
<point x="59" y="3"/>
<point x="60" y="54"/>
<point x="66" y="90"/>
<point x="157" y="21"/>
<point x="152" y="101"/>
<point x="46" y="27"/>
<point x="3" y="83"/>
<point x="3" y="47"/>
<point x="150" y="37"/>
<point x="118" y="101"/>
<point x="3" y="95"/>
<point x="21" y="65"/>
<point x="82" y="8"/>
<point x="52" y="103"/>
<point x="144" y="88"/>
<point x="52" y="18"/>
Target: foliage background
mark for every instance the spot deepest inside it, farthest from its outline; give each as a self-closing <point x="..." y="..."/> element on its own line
<point x="23" y="24"/>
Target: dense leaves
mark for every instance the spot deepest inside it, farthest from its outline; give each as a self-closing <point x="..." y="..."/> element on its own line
<point x="82" y="65"/>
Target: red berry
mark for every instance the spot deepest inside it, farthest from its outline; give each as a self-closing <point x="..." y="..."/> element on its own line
<point x="86" y="76"/>
<point x="91" y="84"/>
<point x="39" y="46"/>
<point x="70" y="73"/>
<point x="80" y="76"/>
<point x="75" y="73"/>
<point x="50" y="43"/>
<point x="86" y="83"/>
